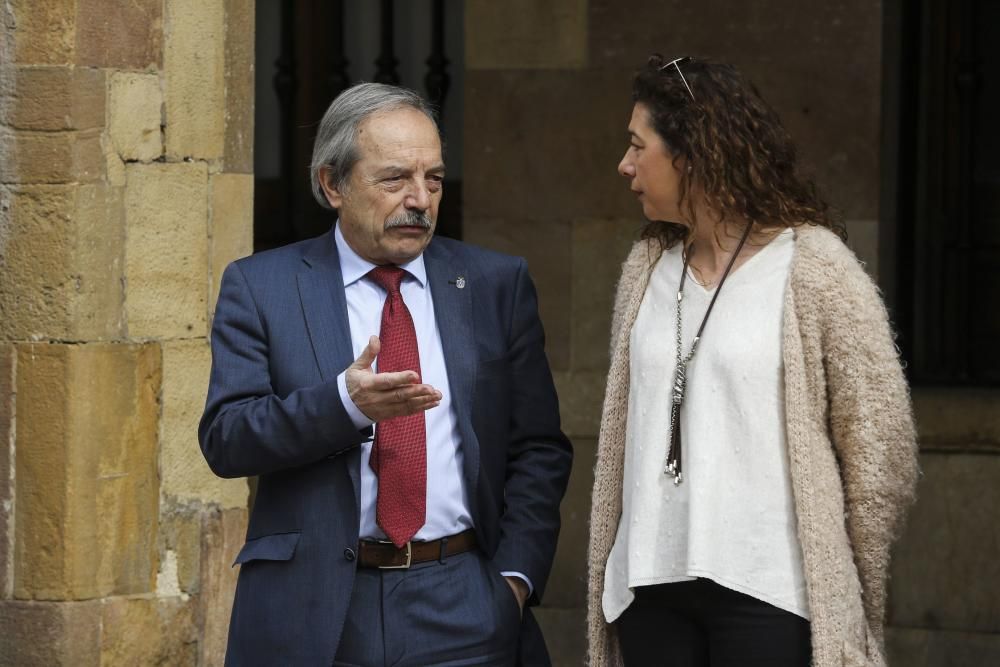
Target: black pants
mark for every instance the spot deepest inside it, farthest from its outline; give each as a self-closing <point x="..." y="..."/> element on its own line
<point x="702" y="624"/>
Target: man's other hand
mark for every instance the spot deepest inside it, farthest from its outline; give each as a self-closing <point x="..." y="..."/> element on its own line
<point x="520" y="590"/>
<point x="382" y="396"/>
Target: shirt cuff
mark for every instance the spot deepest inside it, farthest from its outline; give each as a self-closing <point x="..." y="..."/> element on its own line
<point x="531" y="589"/>
<point x="361" y="422"/>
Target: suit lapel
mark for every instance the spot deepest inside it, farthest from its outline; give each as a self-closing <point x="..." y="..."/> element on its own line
<point x="321" y="292"/>
<point x="453" y="311"/>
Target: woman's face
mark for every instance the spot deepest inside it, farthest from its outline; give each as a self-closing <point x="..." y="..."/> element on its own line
<point x="649" y="167"/>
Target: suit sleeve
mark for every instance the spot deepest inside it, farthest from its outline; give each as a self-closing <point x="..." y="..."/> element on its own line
<point x="539" y="455"/>
<point x="246" y="429"/>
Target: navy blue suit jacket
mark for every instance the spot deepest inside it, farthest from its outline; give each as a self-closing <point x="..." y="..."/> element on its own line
<point x="279" y="340"/>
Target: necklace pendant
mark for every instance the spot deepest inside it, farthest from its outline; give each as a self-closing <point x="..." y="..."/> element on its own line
<point x="673" y="463"/>
<point x="680" y="384"/>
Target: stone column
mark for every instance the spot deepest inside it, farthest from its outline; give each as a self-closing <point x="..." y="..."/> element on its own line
<point x="125" y="187"/>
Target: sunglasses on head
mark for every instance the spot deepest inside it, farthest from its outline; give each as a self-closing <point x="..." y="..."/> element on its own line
<point x="677" y="62"/>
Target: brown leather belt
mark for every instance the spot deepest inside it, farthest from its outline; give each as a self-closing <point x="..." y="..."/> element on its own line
<point x="385" y="555"/>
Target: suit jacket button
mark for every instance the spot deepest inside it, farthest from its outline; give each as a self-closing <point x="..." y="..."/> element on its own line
<point x="349" y="553"/>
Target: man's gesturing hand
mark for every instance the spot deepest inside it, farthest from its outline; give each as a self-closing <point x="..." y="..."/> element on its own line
<point x="382" y="396"/>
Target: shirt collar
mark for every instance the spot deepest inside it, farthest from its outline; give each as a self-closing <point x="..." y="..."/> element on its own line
<point x="353" y="267"/>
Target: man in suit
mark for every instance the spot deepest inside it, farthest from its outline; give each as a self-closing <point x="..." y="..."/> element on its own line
<point x="391" y="391"/>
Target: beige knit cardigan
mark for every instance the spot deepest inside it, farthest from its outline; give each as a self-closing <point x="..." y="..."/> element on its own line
<point x="851" y="445"/>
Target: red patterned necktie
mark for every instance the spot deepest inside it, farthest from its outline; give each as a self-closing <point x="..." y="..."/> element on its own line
<point x="399" y="454"/>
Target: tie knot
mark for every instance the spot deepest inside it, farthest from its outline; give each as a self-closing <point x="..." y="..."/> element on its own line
<point x="389" y="277"/>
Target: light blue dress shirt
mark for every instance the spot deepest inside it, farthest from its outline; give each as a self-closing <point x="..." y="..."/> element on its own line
<point x="447" y="497"/>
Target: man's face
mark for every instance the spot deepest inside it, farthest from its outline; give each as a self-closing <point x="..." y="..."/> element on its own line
<point x="389" y="208"/>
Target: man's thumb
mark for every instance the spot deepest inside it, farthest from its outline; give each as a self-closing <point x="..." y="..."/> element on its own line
<point x="367" y="358"/>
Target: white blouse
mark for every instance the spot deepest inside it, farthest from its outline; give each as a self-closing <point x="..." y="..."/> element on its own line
<point x="732" y="520"/>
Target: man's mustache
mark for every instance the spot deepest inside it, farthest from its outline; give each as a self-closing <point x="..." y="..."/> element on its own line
<point x="409" y="219"/>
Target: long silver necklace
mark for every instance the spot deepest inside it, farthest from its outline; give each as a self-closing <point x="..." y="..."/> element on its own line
<point x="673" y="465"/>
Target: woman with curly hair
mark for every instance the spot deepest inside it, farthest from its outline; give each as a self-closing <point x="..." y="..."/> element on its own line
<point x="757" y="450"/>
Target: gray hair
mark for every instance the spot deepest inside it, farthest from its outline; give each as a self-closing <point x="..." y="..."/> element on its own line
<point x="335" y="147"/>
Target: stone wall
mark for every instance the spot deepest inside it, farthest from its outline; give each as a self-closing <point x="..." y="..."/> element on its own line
<point x="944" y="597"/>
<point x="125" y="188"/>
<point x="546" y="107"/>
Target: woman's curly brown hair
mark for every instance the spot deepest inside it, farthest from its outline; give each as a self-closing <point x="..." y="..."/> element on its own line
<point x="741" y="156"/>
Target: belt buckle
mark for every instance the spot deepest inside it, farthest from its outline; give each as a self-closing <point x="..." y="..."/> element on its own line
<point x="404" y="566"/>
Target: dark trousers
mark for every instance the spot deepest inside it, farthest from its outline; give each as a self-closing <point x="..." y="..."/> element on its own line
<point x="459" y="612"/>
<point x="702" y="624"/>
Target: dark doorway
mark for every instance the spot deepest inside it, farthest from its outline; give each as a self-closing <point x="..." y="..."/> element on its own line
<point x="307" y="51"/>
<point x="941" y="194"/>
